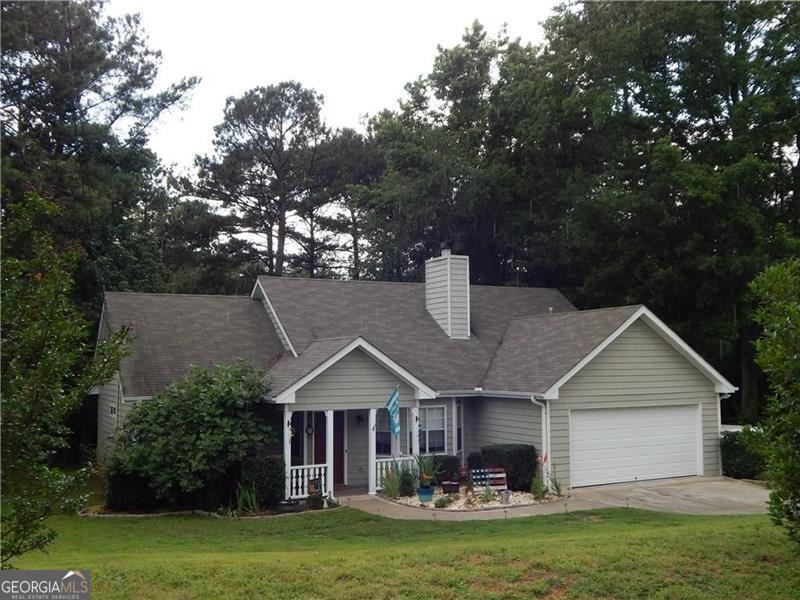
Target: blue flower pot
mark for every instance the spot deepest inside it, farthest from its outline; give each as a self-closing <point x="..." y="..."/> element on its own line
<point x="425" y="494"/>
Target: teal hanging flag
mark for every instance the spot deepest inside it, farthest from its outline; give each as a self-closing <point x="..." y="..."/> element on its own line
<point x="393" y="408"/>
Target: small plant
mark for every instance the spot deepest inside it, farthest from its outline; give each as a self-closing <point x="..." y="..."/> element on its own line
<point x="428" y="470"/>
<point x="487" y="495"/>
<point x="246" y="499"/>
<point x="555" y="484"/>
<point x="390" y="481"/>
<point x="331" y="502"/>
<point x="444" y="501"/>
<point x="406" y="481"/>
<point x="315" y="502"/>
<point x="539" y="487"/>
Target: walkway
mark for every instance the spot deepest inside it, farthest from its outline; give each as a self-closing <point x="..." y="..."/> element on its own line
<point x="687" y="495"/>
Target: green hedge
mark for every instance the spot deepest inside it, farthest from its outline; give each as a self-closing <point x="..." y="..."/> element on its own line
<point x="519" y="461"/>
<point x="265" y="474"/>
<point x="739" y="460"/>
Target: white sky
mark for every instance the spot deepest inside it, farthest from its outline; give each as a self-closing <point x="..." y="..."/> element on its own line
<point x="359" y="55"/>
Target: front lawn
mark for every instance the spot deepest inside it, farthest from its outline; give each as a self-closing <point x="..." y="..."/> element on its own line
<point x="614" y="553"/>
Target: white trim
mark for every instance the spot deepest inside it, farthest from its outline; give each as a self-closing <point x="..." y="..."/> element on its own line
<point x="454" y="427"/>
<point x="722" y="385"/>
<point x="700" y="440"/>
<point x="329" y="457"/>
<point x="421" y="390"/>
<point x="287" y="449"/>
<point x="449" y="298"/>
<point x="273" y="312"/>
<point x="345" y="458"/>
<point x="132" y="399"/>
<point x="372" y="483"/>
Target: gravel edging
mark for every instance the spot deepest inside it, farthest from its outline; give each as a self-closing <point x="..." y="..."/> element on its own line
<point x="432" y="508"/>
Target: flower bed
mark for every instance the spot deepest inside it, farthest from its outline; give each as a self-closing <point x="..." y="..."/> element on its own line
<point x="475" y="500"/>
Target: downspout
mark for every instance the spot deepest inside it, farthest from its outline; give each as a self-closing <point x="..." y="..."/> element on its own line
<point x="543" y="405"/>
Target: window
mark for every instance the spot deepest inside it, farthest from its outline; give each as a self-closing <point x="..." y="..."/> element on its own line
<point x="432" y="427"/>
<point x="383" y="435"/>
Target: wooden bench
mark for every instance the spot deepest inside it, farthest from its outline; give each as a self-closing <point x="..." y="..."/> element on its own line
<point x="494" y="477"/>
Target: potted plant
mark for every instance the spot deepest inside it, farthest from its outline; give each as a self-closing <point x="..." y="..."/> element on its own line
<point x="427" y="470"/>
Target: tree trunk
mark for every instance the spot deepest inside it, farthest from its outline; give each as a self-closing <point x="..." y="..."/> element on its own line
<point x="356" y="272"/>
<point x="750" y="377"/>
<point x="281" y="236"/>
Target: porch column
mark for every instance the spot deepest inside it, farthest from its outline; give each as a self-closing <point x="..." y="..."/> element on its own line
<point x="329" y="451"/>
<point x="415" y="430"/>
<point x="372" y="460"/>
<point x="287" y="450"/>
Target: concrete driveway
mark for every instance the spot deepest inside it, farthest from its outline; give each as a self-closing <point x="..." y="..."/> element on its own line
<point x="690" y="495"/>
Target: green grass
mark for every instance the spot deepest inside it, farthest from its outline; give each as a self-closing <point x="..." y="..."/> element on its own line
<point x="614" y="553"/>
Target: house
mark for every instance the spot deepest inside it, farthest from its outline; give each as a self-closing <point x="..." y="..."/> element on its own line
<point x="611" y="395"/>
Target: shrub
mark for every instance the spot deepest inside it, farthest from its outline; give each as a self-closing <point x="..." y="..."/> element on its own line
<point x="447" y="464"/>
<point x="739" y="458"/>
<point x="406" y="482"/>
<point x="474" y="460"/>
<point x="315" y="502"/>
<point x="519" y="461"/>
<point x="124" y="490"/>
<point x="187" y="443"/>
<point x="390" y="481"/>
<point x="266" y="474"/>
<point x="538" y="487"/>
<point x="444" y="501"/>
<point x="777" y="349"/>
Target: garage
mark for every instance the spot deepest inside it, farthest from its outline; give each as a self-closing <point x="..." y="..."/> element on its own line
<point x="614" y="445"/>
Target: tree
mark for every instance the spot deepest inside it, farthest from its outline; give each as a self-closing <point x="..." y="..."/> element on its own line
<point x="187" y="439"/>
<point x="77" y="102"/>
<point x="263" y="157"/>
<point x="348" y="167"/>
<point x="47" y="371"/>
<point x="778" y="349"/>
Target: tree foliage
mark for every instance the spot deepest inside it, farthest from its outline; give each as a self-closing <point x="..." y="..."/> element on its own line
<point x="778" y="350"/>
<point x="47" y="371"/>
<point x="190" y="435"/>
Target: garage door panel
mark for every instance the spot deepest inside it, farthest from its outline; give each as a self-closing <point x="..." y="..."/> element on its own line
<point x="613" y="445"/>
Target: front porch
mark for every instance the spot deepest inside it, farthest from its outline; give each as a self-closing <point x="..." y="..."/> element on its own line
<point x="352" y="448"/>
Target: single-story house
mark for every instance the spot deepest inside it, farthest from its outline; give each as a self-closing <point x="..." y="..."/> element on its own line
<point x="610" y="395"/>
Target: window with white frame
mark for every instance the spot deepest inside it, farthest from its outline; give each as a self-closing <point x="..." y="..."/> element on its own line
<point x="432" y="429"/>
<point x="383" y="435"/>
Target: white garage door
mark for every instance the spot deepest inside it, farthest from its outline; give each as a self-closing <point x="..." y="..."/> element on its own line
<point x="613" y="445"/>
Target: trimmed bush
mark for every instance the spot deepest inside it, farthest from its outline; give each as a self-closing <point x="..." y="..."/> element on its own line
<point x="123" y="491"/>
<point x="447" y="466"/>
<point x="265" y="474"/>
<point x="739" y="459"/>
<point x="519" y="461"/>
<point x="474" y="460"/>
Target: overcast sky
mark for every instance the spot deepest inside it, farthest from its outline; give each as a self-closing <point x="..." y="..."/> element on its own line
<point x="357" y="54"/>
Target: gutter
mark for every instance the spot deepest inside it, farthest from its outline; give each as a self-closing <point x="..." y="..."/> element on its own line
<point x="544" y="405"/>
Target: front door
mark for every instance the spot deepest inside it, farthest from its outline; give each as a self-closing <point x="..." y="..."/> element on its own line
<point x="338" y="443"/>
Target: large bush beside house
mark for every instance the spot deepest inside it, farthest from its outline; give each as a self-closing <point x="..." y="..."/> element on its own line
<point x="739" y="458"/>
<point x="519" y="461"/>
<point x="185" y="447"/>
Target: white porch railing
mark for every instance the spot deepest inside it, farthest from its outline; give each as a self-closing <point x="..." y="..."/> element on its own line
<point x="384" y="464"/>
<point x="300" y="475"/>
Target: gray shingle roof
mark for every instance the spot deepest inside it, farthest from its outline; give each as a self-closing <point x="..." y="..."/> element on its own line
<point x="174" y="331"/>
<point x="392" y="316"/>
<point x="537" y="351"/>
<point x="516" y="345"/>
